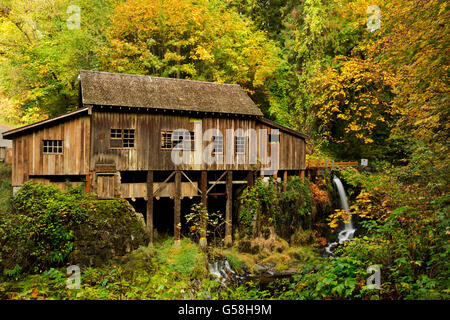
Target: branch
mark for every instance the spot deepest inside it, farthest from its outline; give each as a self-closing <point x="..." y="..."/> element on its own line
<point x="5" y="12"/>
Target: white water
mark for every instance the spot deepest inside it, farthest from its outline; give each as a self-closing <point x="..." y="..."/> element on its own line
<point x="222" y="271"/>
<point x="348" y="231"/>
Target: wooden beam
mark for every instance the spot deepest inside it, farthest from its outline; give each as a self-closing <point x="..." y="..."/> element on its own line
<point x="162" y="184"/>
<point x="150" y="204"/>
<point x="217" y="181"/>
<point x="250" y="178"/>
<point x="88" y="183"/>
<point x="192" y="183"/>
<point x="177" y="208"/>
<point x="203" y="186"/>
<point x="224" y="182"/>
<point x="285" y="178"/>
<point x="229" y="207"/>
<point x="302" y="175"/>
<point x="217" y="193"/>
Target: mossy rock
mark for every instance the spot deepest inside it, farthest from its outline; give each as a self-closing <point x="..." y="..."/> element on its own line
<point x="112" y="230"/>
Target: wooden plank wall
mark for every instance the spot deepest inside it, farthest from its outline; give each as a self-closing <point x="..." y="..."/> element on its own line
<point x="29" y="158"/>
<point x="139" y="189"/>
<point x="147" y="154"/>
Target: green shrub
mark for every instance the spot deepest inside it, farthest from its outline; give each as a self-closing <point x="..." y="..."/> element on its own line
<point x="267" y="205"/>
<point x="186" y="260"/>
<point x="47" y="224"/>
<point x="302" y="237"/>
<point x="5" y="188"/>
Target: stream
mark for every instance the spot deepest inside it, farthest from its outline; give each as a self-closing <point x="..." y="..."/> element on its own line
<point x="348" y="231"/>
<point x="225" y="275"/>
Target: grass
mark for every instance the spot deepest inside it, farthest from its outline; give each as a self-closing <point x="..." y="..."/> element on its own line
<point x="187" y="259"/>
<point x="291" y="257"/>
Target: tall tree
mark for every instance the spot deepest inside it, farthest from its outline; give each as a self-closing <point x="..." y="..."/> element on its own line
<point x="314" y="32"/>
<point x="43" y="45"/>
<point x="201" y="40"/>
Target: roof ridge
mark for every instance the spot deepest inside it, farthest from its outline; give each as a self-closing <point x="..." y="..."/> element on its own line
<point x="164" y="78"/>
<point x="41" y="122"/>
<point x="106" y="88"/>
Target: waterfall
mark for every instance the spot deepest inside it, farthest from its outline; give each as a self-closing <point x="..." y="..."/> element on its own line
<point x="222" y="271"/>
<point x="348" y="231"/>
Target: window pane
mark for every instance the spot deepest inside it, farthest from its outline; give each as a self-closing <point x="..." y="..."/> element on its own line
<point x="116" y="143"/>
<point x="116" y="133"/>
<point x="122" y="138"/>
<point x="166" y="140"/>
<point x="218" y="144"/>
<point x="240" y="144"/>
<point x="274" y="138"/>
<point x="52" y="146"/>
<point x="128" y="143"/>
<point x="192" y="141"/>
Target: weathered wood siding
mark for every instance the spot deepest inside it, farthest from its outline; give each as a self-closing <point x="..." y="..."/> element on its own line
<point x="148" y="155"/>
<point x="160" y="189"/>
<point x="29" y="159"/>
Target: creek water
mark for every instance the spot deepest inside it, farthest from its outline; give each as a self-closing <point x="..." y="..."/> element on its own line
<point x="224" y="273"/>
<point x="347" y="232"/>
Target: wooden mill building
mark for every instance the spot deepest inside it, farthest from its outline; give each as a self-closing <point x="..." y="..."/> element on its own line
<point x="120" y="140"/>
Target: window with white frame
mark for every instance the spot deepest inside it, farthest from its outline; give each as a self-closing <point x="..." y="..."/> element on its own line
<point x="52" y="147"/>
<point x="218" y="144"/>
<point x="240" y="145"/>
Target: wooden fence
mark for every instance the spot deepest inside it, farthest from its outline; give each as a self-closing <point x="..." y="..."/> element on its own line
<point x="324" y="163"/>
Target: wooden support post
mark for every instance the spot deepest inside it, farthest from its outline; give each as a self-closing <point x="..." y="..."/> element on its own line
<point x="302" y="175"/>
<point x="177" y="209"/>
<point x="204" y="188"/>
<point x="150" y="204"/>
<point x="229" y="207"/>
<point x="88" y="183"/>
<point x="250" y="180"/>
<point x="285" y="178"/>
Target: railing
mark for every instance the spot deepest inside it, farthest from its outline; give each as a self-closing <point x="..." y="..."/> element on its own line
<point x="324" y="163"/>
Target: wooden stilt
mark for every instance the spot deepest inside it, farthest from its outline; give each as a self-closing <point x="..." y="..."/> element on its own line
<point x="204" y="187"/>
<point x="88" y="183"/>
<point x="285" y="177"/>
<point x="250" y="183"/>
<point x="302" y="175"/>
<point x="250" y="180"/>
<point x="150" y="204"/>
<point x="229" y="207"/>
<point x="177" y="209"/>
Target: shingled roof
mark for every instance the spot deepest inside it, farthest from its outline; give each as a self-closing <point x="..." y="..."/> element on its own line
<point x="114" y="89"/>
